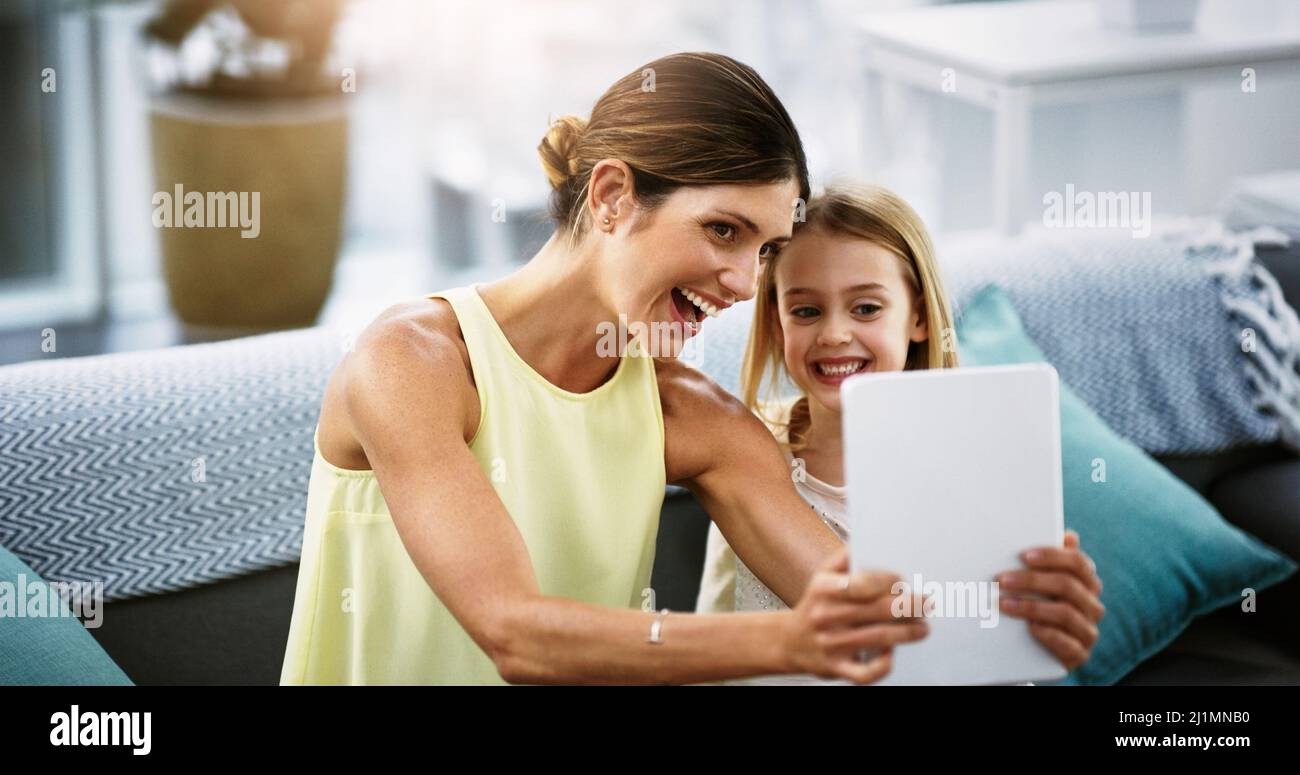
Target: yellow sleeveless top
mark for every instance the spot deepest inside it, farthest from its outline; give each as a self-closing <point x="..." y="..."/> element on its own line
<point x="581" y="474"/>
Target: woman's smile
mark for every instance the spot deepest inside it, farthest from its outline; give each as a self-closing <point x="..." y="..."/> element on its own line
<point x="708" y="304"/>
<point x="684" y="313"/>
<point x="689" y="308"/>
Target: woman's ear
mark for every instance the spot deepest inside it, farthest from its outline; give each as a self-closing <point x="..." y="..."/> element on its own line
<point x="611" y="191"/>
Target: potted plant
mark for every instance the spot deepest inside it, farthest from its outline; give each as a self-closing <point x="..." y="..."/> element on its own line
<point x="248" y="125"/>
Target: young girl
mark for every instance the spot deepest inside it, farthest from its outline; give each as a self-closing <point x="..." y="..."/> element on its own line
<point x="856" y="290"/>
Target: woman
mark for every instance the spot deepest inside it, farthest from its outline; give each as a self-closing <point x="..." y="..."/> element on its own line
<point x="486" y="487"/>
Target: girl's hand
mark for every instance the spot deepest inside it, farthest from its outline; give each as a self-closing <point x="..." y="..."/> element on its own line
<point x="1066" y="621"/>
<point x="841" y="614"/>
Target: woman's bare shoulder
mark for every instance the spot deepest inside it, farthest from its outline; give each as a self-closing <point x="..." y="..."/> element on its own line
<point x="411" y="335"/>
<point x="703" y="423"/>
<point x="689" y="393"/>
<point x="410" y="361"/>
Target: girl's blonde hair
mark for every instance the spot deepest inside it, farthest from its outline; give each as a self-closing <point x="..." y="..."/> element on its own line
<point x="879" y="216"/>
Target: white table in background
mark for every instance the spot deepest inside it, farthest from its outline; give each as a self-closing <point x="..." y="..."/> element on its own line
<point x="1010" y="56"/>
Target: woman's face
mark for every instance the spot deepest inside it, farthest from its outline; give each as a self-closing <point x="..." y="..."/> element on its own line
<point x="698" y="250"/>
<point x="845" y="306"/>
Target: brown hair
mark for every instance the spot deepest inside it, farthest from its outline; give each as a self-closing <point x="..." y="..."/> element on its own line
<point x="683" y="119"/>
<point x="879" y="216"/>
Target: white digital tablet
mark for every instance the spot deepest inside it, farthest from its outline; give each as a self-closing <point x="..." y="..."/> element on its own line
<point x="951" y="474"/>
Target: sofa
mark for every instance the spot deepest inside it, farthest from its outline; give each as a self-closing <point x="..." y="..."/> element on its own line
<point x="215" y="615"/>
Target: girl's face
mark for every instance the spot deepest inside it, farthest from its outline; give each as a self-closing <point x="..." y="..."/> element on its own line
<point x="845" y="307"/>
<point x="705" y="241"/>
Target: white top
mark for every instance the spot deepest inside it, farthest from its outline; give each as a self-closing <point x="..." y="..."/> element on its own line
<point x="726" y="575"/>
<point x="828" y="501"/>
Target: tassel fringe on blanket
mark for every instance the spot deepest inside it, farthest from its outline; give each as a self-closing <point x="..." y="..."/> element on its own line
<point x="1270" y="333"/>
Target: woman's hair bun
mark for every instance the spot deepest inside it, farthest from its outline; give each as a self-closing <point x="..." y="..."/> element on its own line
<point x="557" y="150"/>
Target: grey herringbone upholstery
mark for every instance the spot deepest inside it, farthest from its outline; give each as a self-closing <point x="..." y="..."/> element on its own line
<point x="162" y="470"/>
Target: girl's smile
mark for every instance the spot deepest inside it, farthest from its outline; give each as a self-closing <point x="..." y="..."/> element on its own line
<point x="833" y="371"/>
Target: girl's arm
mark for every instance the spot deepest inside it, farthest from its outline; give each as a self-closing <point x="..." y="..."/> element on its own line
<point x="409" y="403"/>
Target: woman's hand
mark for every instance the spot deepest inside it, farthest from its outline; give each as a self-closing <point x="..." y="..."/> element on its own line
<point x="841" y="614"/>
<point x="1065" y="621"/>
